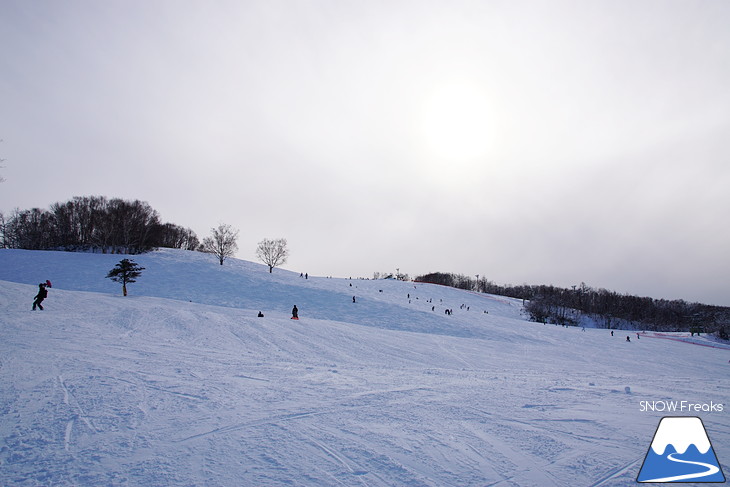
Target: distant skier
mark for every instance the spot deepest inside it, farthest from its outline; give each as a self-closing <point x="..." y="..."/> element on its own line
<point x="611" y="332"/>
<point x="353" y="299"/>
<point x="260" y="315"/>
<point x="628" y="338"/>
<point x="42" y="294"/>
<point x="295" y="313"/>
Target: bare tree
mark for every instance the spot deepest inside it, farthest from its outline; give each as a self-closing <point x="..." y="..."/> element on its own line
<point x="273" y="253"/>
<point x="222" y="243"/>
<point x="3" y="232"/>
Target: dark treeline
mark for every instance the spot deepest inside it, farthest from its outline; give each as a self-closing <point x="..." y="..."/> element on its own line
<point x="607" y="308"/>
<point x="93" y="223"/>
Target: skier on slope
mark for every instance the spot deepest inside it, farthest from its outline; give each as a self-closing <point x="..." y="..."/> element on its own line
<point x="42" y="294"/>
<point x="295" y="313"/>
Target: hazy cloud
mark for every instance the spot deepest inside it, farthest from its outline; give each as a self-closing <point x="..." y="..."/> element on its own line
<point x="541" y="142"/>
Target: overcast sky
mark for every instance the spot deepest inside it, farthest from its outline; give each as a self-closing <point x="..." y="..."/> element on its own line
<point x="541" y="142"/>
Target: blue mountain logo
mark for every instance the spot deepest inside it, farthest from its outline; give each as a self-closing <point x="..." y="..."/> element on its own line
<point x="681" y="452"/>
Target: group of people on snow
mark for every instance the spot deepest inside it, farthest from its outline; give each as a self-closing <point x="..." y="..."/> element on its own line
<point x="628" y="338"/>
<point x="43" y="294"/>
<point x="294" y="313"/>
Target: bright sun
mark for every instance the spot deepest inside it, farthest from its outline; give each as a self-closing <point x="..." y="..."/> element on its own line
<point x="457" y="123"/>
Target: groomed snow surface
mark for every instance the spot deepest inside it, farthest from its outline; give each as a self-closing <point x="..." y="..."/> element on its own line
<point x="181" y="384"/>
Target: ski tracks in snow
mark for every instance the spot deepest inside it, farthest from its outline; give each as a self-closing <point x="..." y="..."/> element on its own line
<point x="439" y="341"/>
<point x="619" y="475"/>
<point x="357" y="473"/>
<point x="246" y="424"/>
<point x="70" y="400"/>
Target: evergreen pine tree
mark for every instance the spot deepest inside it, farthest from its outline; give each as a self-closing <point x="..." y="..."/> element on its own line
<point x="125" y="271"/>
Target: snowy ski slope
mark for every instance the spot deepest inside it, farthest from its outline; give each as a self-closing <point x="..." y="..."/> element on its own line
<point x="180" y="384"/>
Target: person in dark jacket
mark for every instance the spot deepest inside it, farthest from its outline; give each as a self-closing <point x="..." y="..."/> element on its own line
<point x="295" y="313"/>
<point x="42" y="294"/>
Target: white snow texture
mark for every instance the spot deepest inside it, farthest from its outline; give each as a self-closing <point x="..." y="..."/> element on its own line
<point x="181" y="384"/>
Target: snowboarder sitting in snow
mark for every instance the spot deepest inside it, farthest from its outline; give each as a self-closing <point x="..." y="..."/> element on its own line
<point x="42" y="294"/>
<point x="260" y="315"/>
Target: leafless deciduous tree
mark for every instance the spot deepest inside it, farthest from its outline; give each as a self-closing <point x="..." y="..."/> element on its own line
<point x="273" y="253"/>
<point x="222" y="242"/>
<point x="93" y="223"/>
<point x="608" y="309"/>
<point x="3" y="232"/>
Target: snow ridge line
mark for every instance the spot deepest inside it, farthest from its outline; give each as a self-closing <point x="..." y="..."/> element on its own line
<point x="475" y="293"/>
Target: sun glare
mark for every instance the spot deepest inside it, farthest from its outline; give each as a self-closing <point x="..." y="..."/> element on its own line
<point x="456" y="123"/>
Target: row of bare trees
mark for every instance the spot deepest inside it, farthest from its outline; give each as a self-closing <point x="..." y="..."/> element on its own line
<point x="222" y="243"/>
<point x="609" y="309"/>
<point x="98" y="224"/>
<point x="93" y="223"/>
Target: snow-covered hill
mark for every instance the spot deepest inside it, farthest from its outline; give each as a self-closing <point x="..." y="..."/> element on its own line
<point x="180" y="384"/>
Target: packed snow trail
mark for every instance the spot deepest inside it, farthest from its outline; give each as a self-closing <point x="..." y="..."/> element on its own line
<point x="164" y="389"/>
